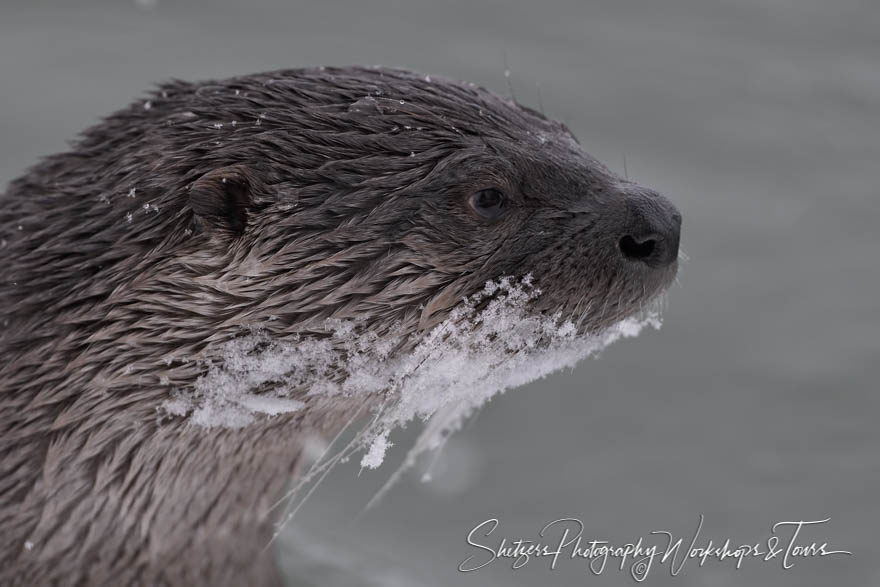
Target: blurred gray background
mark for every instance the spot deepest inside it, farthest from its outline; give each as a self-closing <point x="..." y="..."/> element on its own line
<point x="757" y="402"/>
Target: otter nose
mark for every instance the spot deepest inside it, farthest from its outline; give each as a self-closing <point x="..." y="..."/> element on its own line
<point x="652" y="229"/>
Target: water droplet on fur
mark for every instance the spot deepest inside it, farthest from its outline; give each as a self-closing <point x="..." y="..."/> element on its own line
<point x="366" y="104"/>
<point x="148" y="105"/>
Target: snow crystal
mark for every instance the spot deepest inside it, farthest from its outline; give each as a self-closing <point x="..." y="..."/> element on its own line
<point x="376" y="454"/>
<point x="490" y="343"/>
<point x="226" y="394"/>
<point x="148" y="105"/>
<point x="132" y="192"/>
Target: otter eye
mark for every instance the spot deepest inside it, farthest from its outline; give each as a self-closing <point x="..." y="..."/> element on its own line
<point x="488" y="203"/>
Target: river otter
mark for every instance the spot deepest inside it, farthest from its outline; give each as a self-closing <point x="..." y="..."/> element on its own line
<point x="280" y="199"/>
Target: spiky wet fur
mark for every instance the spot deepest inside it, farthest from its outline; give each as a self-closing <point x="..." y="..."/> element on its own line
<point x="112" y="285"/>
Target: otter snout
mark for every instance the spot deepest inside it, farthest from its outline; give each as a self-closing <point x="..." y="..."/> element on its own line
<point x="651" y="231"/>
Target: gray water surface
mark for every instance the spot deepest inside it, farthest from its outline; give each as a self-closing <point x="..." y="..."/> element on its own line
<point x="757" y="402"/>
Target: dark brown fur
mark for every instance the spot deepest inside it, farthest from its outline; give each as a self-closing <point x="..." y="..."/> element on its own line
<point x="277" y="199"/>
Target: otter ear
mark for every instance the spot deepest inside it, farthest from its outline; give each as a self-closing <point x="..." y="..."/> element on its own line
<point x="223" y="197"/>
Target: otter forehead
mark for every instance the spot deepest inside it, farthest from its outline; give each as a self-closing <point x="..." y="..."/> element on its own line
<point x="439" y="103"/>
<point x="328" y="114"/>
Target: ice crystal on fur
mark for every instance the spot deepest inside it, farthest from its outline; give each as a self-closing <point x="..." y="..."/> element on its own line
<point x="490" y="342"/>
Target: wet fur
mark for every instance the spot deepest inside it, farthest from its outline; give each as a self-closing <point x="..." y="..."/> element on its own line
<point x="129" y="255"/>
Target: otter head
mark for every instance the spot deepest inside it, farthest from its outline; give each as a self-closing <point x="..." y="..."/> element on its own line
<point x="382" y="194"/>
<point x="279" y="200"/>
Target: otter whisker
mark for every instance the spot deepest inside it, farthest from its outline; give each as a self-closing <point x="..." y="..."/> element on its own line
<point x="507" y="75"/>
<point x="355" y="444"/>
<point x="316" y="466"/>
